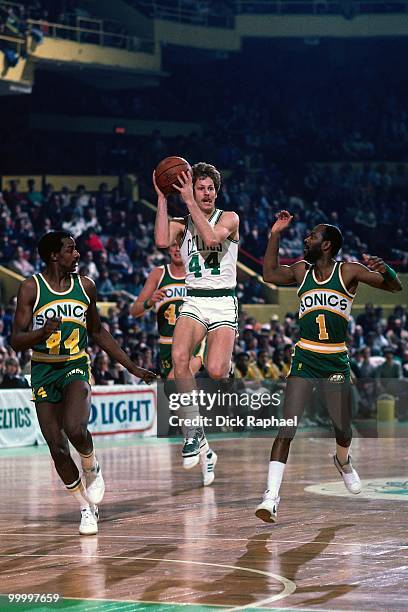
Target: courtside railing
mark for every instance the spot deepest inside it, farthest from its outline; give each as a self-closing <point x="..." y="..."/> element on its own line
<point x="223" y="14"/>
<point x="93" y="35"/>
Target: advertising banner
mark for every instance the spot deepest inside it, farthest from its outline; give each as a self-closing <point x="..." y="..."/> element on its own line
<point x="119" y="409"/>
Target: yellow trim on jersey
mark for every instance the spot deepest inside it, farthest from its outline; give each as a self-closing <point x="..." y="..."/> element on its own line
<point x="58" y="292"/>
<point x="37" y="299"/>
<point x="45" y="357"/>
<point x="49" y="304"/>
<point x="324" y="308"/>
<point x="317" y="347"/>
<point x="86" y="296"/>
<point x="166" y="340"/>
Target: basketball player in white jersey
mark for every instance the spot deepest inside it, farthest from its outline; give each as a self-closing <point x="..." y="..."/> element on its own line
<point x="208" y="240"/>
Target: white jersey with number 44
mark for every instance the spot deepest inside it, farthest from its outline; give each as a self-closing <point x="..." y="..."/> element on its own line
<point x="208" y="267"/>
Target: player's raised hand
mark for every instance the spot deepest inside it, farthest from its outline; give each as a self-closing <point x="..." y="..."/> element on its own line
<point x="52" y="325"/>
<point x="160" y="194"/>
<point x="185" y="188"/>
<point x="374" y="263"/>
<point x="283" y="220"/>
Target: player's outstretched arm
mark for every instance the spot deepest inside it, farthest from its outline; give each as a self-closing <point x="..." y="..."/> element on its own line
<point x="374" y="272"/>
<point x="273" y="272"/>
<point x="23" y="336"/>
<point x="149" y="295"/>
<point x="104" y="339"/>
<point x="212" y="236"/>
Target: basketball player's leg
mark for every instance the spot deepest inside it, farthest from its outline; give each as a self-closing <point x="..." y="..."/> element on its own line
<point x="50" y="418"/>
<point x="187" y="335"/>
<point x="337" y="397"/>
<point x="76" y="412"/>
<point x="220" y="344"/>
<point x="297" y="395"/>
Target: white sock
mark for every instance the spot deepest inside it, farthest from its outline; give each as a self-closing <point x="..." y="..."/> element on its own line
<point x="77" y="490"/>
<point x="275" y="475"/>
<point x="88" y="462"/>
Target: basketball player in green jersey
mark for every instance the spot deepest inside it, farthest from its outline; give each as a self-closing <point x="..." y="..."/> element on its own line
<point x="165" y="289"/>
<point x="326" y="291"/>
<point x="208" y="240"/>
<point x="55" y="312"/>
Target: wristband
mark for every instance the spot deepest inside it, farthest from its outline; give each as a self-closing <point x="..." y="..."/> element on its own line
<point x="146" y="305"/>
<point x="389" y="273"/>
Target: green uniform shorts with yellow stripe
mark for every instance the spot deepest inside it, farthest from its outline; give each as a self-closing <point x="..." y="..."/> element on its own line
<point x="307" y="364"/>
<point x="166" y="363"/>
<point x="48" y="380"/>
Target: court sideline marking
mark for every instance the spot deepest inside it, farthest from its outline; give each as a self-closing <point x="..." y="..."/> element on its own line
<point x="289" y="586"/>
<point x="213" y="535"/>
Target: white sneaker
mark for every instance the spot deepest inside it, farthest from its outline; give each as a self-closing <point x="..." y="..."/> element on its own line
<point x="349" y="475"/>
<point x="194" y="444"/>
<point x="267" y="510"/>
<point x="89" y="524"/>
<point x="95" y="511"/>
<point x="95" y="485"/>
<point x="208" y="462"/>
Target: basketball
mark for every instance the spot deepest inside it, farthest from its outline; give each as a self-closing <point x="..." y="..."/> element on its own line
<point x="168" y="171"/>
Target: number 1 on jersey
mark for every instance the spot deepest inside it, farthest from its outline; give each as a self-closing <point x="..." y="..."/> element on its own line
<point x="321" y="321"/>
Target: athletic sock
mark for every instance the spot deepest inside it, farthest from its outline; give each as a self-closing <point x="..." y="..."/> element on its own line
<point x="275" y="475"/>
<point x="88" y="462"/>
<point x="77" y="490"/>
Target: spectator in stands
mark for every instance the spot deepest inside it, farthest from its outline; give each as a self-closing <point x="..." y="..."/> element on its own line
<point x="104" y="285"/>
<point x="101" y="371"/>
<point x="20" y="263"/>
<point x="88" y="266"/>
<point x="12" y="378"/>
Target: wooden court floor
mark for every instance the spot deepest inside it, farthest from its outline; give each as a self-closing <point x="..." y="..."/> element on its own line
<point x="166" y="543"/>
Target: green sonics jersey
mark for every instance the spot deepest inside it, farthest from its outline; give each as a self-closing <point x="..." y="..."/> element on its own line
<point x="71" y="340"/>
<point x="324" y="312"/>
<point x="168" y="308"/>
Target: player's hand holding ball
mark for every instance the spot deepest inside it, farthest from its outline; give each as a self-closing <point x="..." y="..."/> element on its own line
<point x="284" y="219"/>
<point x="160" y="194"/>
<point x="185" y="189"/>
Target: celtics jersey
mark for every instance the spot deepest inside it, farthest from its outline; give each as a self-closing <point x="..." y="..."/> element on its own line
<point x="168" y="308"/>
<point x="208" y="267"/>
<point x="324" y="312"/>
<point x="70" y="340"/>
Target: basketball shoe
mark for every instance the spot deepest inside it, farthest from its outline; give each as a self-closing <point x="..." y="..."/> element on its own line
<point x="349" y="475"/>
<point x="267" y="510"/>
<point x="94" y="484"/>
<point x="194" y="443"/>
<point x="89" y="522"/>
<point x="208" y="460"/>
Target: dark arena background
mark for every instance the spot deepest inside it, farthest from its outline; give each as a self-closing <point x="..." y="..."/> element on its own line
<point x="302" y="106"/>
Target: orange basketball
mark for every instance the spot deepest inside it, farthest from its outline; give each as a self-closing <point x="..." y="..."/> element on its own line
<point x="167" y="172"/>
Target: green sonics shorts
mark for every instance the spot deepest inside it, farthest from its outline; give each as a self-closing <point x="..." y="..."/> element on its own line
<point x="166" y="363"/>
<point x="308" y="364"/>
<point x="49" y="380"/>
